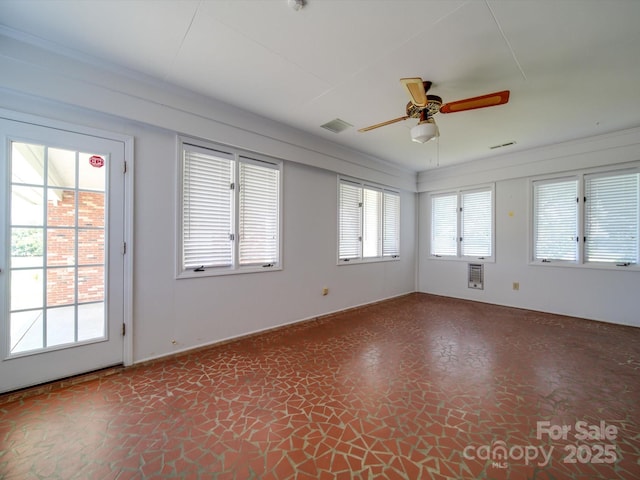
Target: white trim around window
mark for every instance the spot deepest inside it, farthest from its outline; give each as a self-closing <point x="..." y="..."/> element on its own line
<point x="368" y="222"/>
<point x="462" y="224"/>
<point x="229" y="211"/>
<point x="587" y="219"/>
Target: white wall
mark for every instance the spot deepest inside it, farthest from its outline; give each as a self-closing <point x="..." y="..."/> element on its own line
<point x="171" y="315"/>
<point x="198" y="311"/>
<point x="607" y="295"/>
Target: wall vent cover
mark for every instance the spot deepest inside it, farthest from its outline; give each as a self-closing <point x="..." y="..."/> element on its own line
<point x="336" y="126"/>
<point x="476" y="276"/>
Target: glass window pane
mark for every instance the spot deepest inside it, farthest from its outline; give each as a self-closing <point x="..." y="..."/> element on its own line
<point x="258" y="215"/>
<point x="350" y="220"/>
<point x="27" y="205"/>
<point x="90" y="284"/>
<point x="26" y="289"/>
<point x="444" y="225"/>
<point x="61" y="325"/>
<point x="26" y="331"/>
<point x="60" y="247"/>
<point x="27" y="163"/>
<point x="90" y="209"/>
<point x="26" y="247"/>
<point x="372" y="223"/>
<point x="556" y="220"/>
<point x="391" y="218"/>
<point x="612" y="218"/>
<point x="476" y="223"/>
<point x="91" y="321"/>
<point x="61" y="208"/>
<point x="61" y="284"/>
<point x="61" y="168"/>
<point x="92" y="171"/>
<point x="90" y="247"/>
<point x="207" y="213"/>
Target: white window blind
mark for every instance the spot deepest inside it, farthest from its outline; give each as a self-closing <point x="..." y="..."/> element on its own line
<point x="444" y="225"/>
<point x="462" y="224"/>
<point x="230" y="212"/>
<point x="372" y="224"/>
<point x="258" y="213"/>
<point x="477" y="221"/>
<point x="391" y="227"/>
<point x="350" y="219"/>
<point x="206" y="208"/>
<point x="555" y="219"/>
<point x="368" y="222"/>
<point x="611" y="218"/>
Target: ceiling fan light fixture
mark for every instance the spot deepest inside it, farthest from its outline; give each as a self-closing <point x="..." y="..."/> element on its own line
<point x="424" y="131"/>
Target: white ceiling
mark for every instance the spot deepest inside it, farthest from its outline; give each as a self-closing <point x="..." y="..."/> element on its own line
<point x="573" y="67"/>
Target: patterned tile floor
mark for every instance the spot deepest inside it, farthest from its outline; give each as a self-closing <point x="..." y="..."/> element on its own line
<point x="419" y="387"/>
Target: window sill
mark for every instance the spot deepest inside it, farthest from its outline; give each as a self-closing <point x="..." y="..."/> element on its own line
<point x="360" y="261"/>
<point x="463" y="259"/>
<point x="223" y="271"/>
<point x="590" y="266"/>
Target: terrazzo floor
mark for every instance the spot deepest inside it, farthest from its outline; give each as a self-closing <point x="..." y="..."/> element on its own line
<point x="418" y="387"/>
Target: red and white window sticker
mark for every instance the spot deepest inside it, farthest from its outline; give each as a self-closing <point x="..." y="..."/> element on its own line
<point x="96" y="161"/>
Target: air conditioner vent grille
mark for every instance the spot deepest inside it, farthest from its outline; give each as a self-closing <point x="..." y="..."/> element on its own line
<point x="476" y="276"/>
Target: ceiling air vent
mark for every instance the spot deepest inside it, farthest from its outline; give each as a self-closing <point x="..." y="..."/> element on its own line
<point x="508" y="144"/>
<point x="336" y="125"/>
<point x="476" y="276"/>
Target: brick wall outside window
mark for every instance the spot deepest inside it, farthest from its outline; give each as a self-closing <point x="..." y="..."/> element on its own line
<point x="61" y="247"/>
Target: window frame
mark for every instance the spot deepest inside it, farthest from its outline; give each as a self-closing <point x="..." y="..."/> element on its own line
<point x="581" y="177"/>
<point x="381" y="221"/>
<point x="238" y="157"/>
<point x="459" y="194"/>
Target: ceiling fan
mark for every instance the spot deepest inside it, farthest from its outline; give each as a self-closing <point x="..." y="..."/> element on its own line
<point x="425" y="106"/>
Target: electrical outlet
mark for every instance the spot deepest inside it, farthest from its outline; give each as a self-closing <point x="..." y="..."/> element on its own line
<point x="516" y="285"/>
<point x="325" y="291"/>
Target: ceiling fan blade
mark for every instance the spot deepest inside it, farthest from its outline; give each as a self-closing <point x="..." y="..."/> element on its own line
<point x="415" y="88"/>
<point x="490" y="100"/>
<point x="388" y="122"/>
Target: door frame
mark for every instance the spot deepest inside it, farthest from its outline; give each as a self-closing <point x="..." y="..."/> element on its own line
<point x="128" y="141"/>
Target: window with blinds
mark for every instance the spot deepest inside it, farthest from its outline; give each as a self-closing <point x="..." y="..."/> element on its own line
<point x="611" y="218"/>
<point x="588" y="219"/>
<point x="207" y="199"/>
<point x="230" y="211"/>
<point x="444" y="225"/>
<point x="462" y="224"/>
<point x="477" y="224"/>
<point x="555" y="220"/>
<point x="258" y="241"/>
<point x="368" y="222"/>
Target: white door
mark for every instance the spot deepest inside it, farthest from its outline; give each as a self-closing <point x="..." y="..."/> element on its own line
<point x="62" y="253"/>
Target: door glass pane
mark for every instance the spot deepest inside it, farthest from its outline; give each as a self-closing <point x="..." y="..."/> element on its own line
<point x="61" y="168"/>
<point x="60" y="326"/>
<point x="92" y="170"/>
<point x="26" y="205"/>
<point x="47" y="274"/>
<point x="26" y="331"/>
<point x="27" y="163"/>
<point x="26" y="288"/>
<point x="60" y="246"/>
<point x="61" y="208"/>
<point x="26" y="247"/>
<point x="91" y="321"/>
<point x="61" y="286"/>
<point x="90" y="246"/>
<point x="90" y="284"/>
<point x="91" y="209"/>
